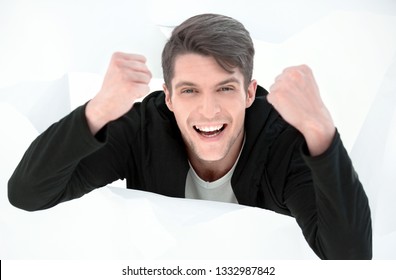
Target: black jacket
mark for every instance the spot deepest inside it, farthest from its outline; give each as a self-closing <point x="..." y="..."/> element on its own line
<point x="145" y="147"/>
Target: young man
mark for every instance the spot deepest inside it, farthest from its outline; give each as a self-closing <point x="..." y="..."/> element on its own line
<point x="213" y="133"/>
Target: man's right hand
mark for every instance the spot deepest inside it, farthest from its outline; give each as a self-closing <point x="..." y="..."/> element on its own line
<point x="127" y="79"/>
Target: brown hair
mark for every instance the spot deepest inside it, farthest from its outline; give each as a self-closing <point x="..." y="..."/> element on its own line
<point x="221" y="37"/>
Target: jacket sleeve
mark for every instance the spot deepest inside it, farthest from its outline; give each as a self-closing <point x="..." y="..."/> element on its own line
<point x="325" y="196"/>
<point x="64" y="162"/>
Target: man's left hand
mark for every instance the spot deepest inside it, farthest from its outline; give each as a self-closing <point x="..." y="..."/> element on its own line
<point x="295" y="95"/>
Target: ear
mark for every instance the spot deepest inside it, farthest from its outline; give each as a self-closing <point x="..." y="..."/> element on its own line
<point x="251" y="93"/>
<point x="168" y="99"/>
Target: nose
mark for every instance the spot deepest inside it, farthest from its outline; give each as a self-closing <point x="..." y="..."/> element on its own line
<point x="209" y="105"/>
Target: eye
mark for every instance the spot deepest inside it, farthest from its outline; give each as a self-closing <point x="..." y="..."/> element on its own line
<point x="225" y="89"/>
<point x="188" y="90"/>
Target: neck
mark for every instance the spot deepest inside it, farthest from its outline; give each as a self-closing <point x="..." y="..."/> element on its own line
<point x="213" y="170"/>
<point x="210" y="171"/>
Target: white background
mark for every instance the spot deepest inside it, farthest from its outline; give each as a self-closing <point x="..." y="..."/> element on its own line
<point x="53" y="55"/>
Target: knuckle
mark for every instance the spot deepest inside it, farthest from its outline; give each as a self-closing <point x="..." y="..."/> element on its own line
<point x="296" y="75"/>
<point x="137" y="58"/>
<point x="117" y="55"/>
<point x="293" y="74"/>
<point x="305" y="67"/>
<point x="141" y="58"/>
<point x="273" y="88"/>
<point x="117" y="59"/>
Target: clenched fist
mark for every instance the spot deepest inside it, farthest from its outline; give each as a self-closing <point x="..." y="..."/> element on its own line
<point x="295" y="95"/>
<point x="127" y="79"/>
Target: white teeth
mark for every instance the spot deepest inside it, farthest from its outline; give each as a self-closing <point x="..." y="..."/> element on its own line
<point x="209" y="128"/>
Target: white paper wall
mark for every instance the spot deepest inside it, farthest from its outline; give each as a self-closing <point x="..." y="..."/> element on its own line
<point x="53" y="55"/>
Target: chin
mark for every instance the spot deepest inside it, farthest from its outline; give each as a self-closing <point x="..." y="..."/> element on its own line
<point x="210" y="156"/>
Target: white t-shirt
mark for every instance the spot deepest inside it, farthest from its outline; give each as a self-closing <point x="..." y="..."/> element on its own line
<point x="219" y="190"/>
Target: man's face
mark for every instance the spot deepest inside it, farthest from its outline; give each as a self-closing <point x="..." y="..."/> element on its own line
<point x="209" y="106"/>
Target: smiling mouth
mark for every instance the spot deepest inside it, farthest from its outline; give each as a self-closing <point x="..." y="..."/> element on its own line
<point x="209" y="131"/>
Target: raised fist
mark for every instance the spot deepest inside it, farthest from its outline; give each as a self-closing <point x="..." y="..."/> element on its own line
<point x="295" y="95"/>
<point x="126" y="80"/>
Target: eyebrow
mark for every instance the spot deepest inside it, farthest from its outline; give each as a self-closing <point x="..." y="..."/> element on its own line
<point x="191" y="84"/>
<point x="184" y="83"/>
<point x="228" y="81"/>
